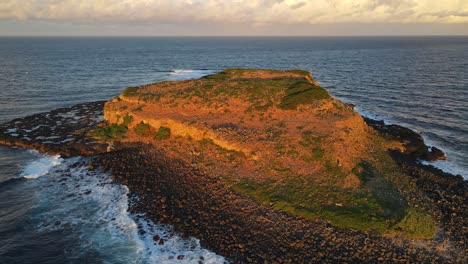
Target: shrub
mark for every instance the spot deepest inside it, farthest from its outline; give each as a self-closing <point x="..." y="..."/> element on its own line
<point x="127" y="120"/>
<point x="110" y="132"/>
<point x="143" y="130"/>
<point x="163" y="133"/>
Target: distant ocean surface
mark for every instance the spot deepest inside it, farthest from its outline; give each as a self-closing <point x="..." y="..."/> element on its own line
<point x="418" y="82"/>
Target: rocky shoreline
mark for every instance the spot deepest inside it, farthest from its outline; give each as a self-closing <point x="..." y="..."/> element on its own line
<point x="236" y="226"/>
<point x="61" y="131"/>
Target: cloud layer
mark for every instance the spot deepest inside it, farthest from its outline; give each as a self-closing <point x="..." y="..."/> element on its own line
<point x="254" y="12"/>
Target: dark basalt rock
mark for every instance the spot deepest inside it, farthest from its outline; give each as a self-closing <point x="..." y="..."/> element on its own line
<point x="414" y="142"/>
<point x="61" y="131"/>
<point x="239" y="228"/>
<point x="435" y="154"/>
<point x="443" y="194"/>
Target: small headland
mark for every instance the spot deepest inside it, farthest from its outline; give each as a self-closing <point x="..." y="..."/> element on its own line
<point x="265" y="165"/>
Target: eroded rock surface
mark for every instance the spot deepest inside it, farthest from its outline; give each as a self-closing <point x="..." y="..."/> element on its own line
<point x="62" y="131"/>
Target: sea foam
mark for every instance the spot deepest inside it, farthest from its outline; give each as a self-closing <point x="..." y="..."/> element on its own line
<point x="96" y="210"/>
<point x="188" y="74"/>
<point x="40" y="166"/>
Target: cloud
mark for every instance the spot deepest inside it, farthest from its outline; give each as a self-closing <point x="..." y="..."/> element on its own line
<point x="298" y="5"/>
<point x="254" y="12"/>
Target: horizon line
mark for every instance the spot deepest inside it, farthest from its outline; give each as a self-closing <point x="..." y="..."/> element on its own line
<point x="225" y="36"/>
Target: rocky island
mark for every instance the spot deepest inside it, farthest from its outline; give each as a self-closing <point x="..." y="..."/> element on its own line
<point x="265" y="166"/>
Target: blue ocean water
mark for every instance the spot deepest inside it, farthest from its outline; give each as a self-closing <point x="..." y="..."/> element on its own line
<point x="418" y="82"/>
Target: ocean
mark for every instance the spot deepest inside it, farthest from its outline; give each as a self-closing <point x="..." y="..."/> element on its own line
<point x="45" y="217"/>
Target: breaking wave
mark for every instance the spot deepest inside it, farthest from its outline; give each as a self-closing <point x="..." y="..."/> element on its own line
<point x="96" y="211"/>
<point x="41" y="166"/>
<point x="189" y="74"/>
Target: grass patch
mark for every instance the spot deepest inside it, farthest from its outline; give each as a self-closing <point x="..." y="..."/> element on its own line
<point x="302" y="93"/>
<point x="163" y="133"/>
<point x="316" y="154"/>
<point x="309" y="139"/>
<point x="301" y="195"/>
<point x="129" y="91"/>
<point x="417" y="224"/>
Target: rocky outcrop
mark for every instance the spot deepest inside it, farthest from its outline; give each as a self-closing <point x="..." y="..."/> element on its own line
<point x="265" y="166"/>
<point x="413" y="142"/>
<point x="62" y="131"/>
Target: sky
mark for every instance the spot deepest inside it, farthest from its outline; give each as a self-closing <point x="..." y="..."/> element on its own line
<point x="232" y="17"/>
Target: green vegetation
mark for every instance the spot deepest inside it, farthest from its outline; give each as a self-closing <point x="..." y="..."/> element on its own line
<point x="127" y="120"/>
<point x="129" y="91"/>
<point x="343" y="208"/>
<point x="110" y="132"/>
<point x="364" y="171"/>
<point x="417" y="224"/>
<point x="310" y="139"/>
<point x="302" y="196"/>
<point x="259" y="88"/>
<point x="375" y="206"/>
<point x="143" y="130"/>
<point x="302" y="93"/>
<point x="316" y="154"/>
<point x="163" y="133"/>
<point x="113" y="131"/>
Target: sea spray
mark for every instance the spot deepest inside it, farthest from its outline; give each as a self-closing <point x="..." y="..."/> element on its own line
<point x="41" y="166"/>
<point x="95" y="210"/>
<point x="188" y="74"/>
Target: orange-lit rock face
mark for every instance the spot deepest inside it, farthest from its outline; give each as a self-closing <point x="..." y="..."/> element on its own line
<point x="242" y="110"/>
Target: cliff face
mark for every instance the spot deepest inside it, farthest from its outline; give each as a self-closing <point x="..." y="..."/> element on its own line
<point x="263" y="114"/>
<point x="276" y="136"/>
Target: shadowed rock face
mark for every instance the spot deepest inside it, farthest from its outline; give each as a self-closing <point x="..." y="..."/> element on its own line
<point x="265" y="165"/>
<point x="413" y="142"/>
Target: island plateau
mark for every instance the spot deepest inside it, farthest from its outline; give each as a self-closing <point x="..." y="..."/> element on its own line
<point x="265" y="166"/>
